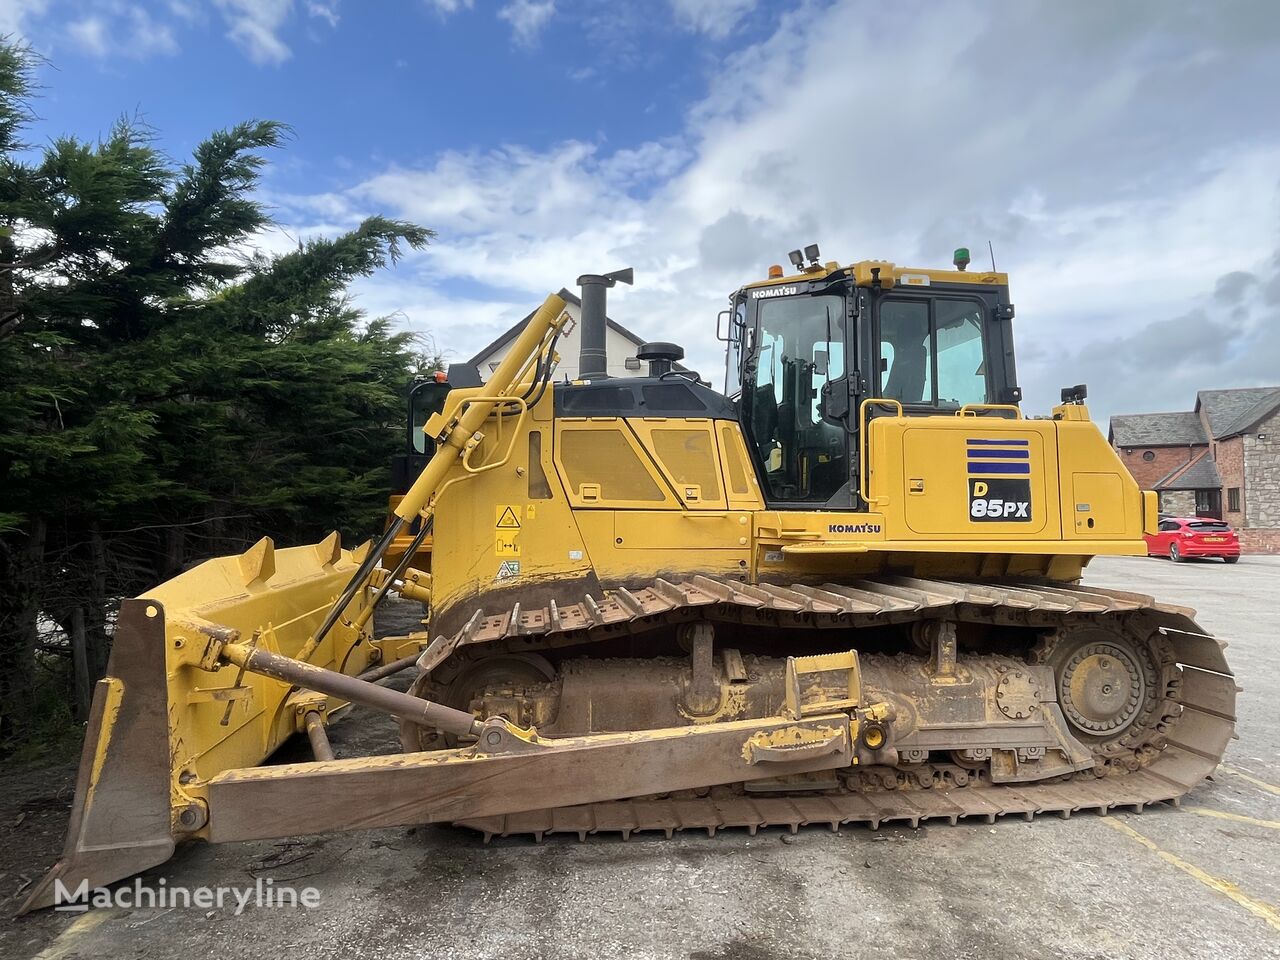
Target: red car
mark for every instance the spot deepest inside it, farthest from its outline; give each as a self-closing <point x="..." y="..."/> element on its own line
<point x="1183" y="537"/>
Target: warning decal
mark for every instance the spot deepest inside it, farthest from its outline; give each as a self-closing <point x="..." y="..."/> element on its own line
<point x="508" y="517"/>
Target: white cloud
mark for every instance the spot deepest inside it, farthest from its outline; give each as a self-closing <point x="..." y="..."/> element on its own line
<point x="146" y="35"/>
<point x="326" y="11"/>
<point x="715" y="18"/>
<point x="119" y="29"/>
<point x="1113" y="212"/>
<point x="107" y="28"/>
<point x="188" y="10"/>
<point x="91" y="34"/>
<point x="527" y="19"/>
<point x="255" y="27"/>
<point x="14" y="15"/>
<point x="446" y="8"/>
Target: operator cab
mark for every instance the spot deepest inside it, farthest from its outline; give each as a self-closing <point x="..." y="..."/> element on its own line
<point x="425" y="396"/>
<point x="804" y="352"/>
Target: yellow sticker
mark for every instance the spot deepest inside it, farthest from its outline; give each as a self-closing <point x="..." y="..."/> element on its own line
<point x="504" y="544"/>
<point x="508" y="516"/>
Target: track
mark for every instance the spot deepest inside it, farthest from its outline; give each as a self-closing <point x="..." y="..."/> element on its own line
<point x="1182" y="743"/>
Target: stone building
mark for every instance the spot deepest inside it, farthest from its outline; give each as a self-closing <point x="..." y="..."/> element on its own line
<point x="1221" y="459"/>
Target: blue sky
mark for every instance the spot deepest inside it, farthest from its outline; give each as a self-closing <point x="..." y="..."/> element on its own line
<point x="1124" y="159"/>
<point x="365" y="84"/>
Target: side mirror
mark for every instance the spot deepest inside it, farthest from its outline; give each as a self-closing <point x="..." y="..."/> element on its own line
<point x="723" y="327"/>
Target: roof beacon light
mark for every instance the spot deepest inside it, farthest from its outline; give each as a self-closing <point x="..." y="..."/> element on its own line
<point x="811" y="253"/>
<point x="796" y="258"/>
<point x="961" y="258"/>
<point x="775" y="271"/>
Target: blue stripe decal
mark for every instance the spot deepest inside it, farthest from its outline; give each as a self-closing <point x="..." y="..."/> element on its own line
<point x="1015" y="468"/>
<point x="1002" y="454"/>
<point x="1000" y="443"/>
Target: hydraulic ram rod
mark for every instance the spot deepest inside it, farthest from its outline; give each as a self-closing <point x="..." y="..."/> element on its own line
<point x="320" y="746"/>
<point x="390" y="669"/>
<point x="310" y="677"/>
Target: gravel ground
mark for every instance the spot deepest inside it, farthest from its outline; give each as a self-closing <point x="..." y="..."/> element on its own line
<point x="1171" y="883"/>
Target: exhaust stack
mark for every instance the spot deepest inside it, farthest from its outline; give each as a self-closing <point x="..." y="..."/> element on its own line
<point x="592" y="357"/>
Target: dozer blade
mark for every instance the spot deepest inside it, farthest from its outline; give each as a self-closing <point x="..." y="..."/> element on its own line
<point x="120" y="816"/>
<point x="160" y="725"/>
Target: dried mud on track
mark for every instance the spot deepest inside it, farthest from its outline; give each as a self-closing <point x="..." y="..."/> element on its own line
<point x="1185" y="883"/>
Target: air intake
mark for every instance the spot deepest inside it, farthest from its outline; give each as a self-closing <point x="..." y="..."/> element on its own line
<point x="593" y="361"/>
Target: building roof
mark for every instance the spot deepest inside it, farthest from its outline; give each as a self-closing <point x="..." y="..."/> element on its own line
<point x="1157" y="430"/>
<point x="1201" y="473"/>
<point x="567" y="297"/>
<point x="1231" y="412"/>
<point x="1263" y="407"/>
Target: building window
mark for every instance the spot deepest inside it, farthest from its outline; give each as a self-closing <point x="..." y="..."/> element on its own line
<point x="1233" y="499"/>
<point x="632" y="363"/>
<point x="1148" y="455"/>
<point x="1209" y="503"/>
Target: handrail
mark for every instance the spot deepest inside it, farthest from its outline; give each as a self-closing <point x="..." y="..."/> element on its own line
<point x="473" y="444"/>
<point x="969" y="409"/>
<point x="865" y="439"/>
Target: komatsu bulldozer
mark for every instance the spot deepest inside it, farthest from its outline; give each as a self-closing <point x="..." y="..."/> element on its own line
<point x="845" y="590"/>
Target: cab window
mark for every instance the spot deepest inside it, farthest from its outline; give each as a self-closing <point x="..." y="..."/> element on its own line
<point x="931" y="351"/>
<point x="425" y="399"/>
<point x="800" y="347"/>
<point x="733" y="352"/>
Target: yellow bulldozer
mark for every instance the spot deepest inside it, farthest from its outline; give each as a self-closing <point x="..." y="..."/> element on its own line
<point x="845" y="590"/>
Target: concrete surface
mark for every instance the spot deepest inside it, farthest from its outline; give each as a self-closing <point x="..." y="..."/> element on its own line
<point x="1198" y="881"/>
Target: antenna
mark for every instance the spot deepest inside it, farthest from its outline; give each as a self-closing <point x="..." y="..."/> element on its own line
<point x="992" y="250"/>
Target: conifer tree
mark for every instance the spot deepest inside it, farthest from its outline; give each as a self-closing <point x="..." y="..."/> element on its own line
<point x="166" y="395"/>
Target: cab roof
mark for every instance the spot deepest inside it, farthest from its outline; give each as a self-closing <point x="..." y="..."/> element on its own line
<point x="890" y="275"/>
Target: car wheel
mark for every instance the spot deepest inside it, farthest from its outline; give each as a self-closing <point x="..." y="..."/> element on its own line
<point x="1174" y="555"/>
<point x="1230" y="559"/>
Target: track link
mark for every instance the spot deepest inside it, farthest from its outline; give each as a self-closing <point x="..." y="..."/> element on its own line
<point x="874" y="809"/>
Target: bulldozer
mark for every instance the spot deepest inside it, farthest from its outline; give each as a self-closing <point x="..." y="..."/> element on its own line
<point x="845" y="590"/>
